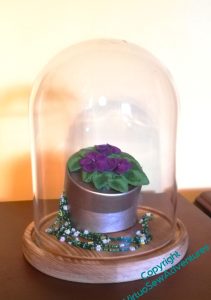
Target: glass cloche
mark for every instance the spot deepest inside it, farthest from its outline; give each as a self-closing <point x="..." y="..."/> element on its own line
<point x="103" y="124"/>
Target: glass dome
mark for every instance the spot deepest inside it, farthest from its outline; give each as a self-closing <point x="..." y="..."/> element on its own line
<point x="104" y="92"/>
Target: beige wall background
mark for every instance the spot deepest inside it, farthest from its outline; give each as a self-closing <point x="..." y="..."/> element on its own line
<point x="178" y="32"/>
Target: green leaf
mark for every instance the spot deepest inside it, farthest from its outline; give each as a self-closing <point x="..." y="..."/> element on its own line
<point x="133" y="177"/>
<point x="144" y="179"/>
<point x="87" y="177"/>
<point x="114" y="155"/>
<point x="135" y="165"/>
<point x="126" y="155"/>
<point x="73" y="162"/>
<point x="100" y="180"/>
<point x="136" y="177"/>
<point x="119" y="184"/>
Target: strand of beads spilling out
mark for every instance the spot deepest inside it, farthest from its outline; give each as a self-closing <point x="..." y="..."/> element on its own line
<point x="64" y="231"/>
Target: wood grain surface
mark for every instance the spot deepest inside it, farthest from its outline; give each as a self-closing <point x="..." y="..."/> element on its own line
<point x="20" y="281"/>
<point x="67" y="262"/>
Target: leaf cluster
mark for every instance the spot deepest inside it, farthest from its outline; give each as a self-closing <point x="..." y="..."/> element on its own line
<point x="104" y="181"/>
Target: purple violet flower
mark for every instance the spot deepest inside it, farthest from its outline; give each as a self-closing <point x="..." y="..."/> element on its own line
<point x="102" y="164"/>
<point x="107" y="149"/>
<point x="123" y="166"/>
<point x="112" y="163"/>
<point x="87" y="165"/>
<point x="94" y="161"/>
<point x="98" y="161"/>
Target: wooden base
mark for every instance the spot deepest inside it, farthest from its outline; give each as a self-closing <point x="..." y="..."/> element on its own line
<point x="67" y="262"/>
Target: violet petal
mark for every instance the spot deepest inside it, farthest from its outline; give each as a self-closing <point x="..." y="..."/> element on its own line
<point x="102" y="165"/>
<point x="112" y="163"/>
<point x="114" y="149"/>
<point x="123" y="166"/>
<point x="107" y="149"/>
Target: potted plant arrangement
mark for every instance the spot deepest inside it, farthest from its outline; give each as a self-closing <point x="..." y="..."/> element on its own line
<point x="102" y="185"/>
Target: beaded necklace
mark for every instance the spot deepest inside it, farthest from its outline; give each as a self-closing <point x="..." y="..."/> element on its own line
<point x="64" y="231"/>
